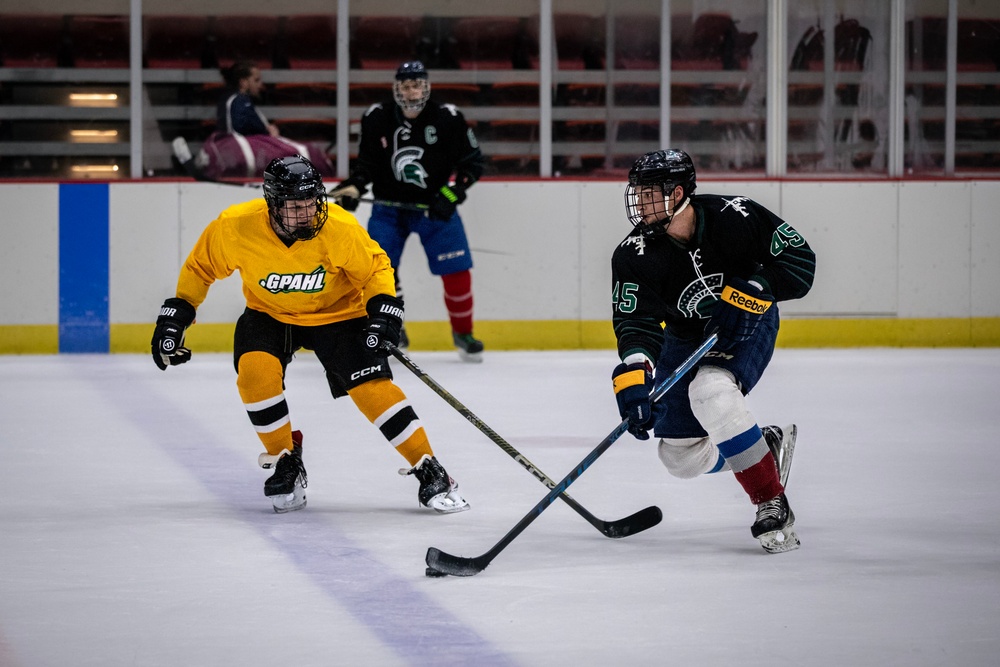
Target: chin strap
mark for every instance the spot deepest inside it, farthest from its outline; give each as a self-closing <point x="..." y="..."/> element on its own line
<point x="687" y="200"/>
<point x="666" y="223"/>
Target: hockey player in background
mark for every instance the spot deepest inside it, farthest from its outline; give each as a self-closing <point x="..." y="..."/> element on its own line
<point x="312" y="279"/>
<point x="706" y="264"/>
<point x="409" y="151"/>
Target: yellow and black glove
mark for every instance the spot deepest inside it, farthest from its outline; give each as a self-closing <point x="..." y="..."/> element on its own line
<point x="739" y="311"/>
<point x="176" y="315"/>
<point x="632" y="383"/>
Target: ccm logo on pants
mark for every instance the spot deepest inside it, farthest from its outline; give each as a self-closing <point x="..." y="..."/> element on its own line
<point x="367" y="371"/>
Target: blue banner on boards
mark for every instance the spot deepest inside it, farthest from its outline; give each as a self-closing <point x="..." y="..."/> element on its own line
<point x="83" y="268"/>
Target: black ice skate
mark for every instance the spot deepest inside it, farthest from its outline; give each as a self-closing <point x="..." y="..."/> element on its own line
<point x="781" y="442"/>
<point x="287" y="486"/>
<point x="438" y="490"/>
<point x="469" y="348"/>
<point x="773" y="526"/>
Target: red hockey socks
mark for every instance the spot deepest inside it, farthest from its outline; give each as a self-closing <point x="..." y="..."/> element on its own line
<point x="458" y="300"/>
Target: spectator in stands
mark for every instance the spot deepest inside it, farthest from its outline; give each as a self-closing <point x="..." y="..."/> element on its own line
<point x="237" y="111"/>
<point x="244" y="140"/>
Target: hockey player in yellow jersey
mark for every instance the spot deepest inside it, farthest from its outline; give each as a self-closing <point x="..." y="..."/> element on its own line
<point x="312" y="279"/>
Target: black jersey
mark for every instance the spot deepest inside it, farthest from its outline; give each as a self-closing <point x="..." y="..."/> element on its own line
<point x="659" y="279"/>
<point x="410" y="160"/>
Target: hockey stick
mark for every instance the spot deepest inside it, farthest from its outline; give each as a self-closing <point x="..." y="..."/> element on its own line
<point x="403" y="205"/>
<point x="201" y="177"/>
<point x="440" y="563"/>
<point x="630" y="525"/>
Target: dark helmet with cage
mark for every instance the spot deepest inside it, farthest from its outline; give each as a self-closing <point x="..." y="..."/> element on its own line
<point x="415" y="71"/>
<point x="295" y="196"/>
<point x="651" y="181"/>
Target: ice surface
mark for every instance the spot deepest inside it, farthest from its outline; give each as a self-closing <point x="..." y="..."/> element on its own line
<point x="134" y="530"/>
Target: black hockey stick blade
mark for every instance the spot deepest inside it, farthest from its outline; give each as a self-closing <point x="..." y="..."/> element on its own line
<point x="444" y="563"/>
<point x="630" y="525"/>
<point x="635" y="523"/>
<point x="441" y="562"/>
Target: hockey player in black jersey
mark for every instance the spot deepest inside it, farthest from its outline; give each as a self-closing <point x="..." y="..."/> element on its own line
<point x="703" y="264"/>
<point x="420" y="157"/>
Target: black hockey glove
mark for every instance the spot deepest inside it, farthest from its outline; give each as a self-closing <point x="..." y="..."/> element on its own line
<point x="738" y="313"/>
<point x="348" y="193"/>
<point x="445" y="202"/>
<point x="632" y="383"/>
<point x="385" y="319"/>
<point x="176" y="316"/>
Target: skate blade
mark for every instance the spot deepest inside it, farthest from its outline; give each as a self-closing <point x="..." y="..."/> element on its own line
<point x="470" y="357"/>
<point x="780" y="541"/>
<point x="448" y="503"/>
<point x="787" y="449"/>
<point x="289" y="502"/>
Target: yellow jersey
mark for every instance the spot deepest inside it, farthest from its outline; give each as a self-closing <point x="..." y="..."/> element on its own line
<point x="326" y="279"/>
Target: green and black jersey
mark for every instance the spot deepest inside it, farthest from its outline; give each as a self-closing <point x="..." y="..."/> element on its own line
<point x="659" y="280"/>
<point x="408" y="160"/>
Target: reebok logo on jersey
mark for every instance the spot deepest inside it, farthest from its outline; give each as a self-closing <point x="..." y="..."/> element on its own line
<point x="295" y="282"/>
<point x="747" y="303"/>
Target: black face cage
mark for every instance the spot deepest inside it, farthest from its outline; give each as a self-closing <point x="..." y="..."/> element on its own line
<point x="416" y="105"/>
<point x="277" y="195"/>
<point x="633" y="209"/>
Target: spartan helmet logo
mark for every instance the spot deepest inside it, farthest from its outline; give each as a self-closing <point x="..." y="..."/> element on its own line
<point x="700" y="295"/>
<point x="372" y="341"/>
<point x="407" y="168"/>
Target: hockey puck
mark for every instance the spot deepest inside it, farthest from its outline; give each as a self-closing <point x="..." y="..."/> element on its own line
<point x="431" y="572"/>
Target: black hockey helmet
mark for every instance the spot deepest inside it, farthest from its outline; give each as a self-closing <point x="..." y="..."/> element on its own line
<point x="412" y="70"/>
<point x="294" y="178"/>
<point x="666" y="169"/>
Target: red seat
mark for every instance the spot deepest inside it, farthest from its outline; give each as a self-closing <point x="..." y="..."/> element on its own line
<point x="486" y="42"/>
<point x="30" y="40"/>
<point x="302" y="94"/>
<point x="524" y="165"/>
<point x="99" y="41"/>
<point x="637" y="94"/>
<point x="175" y="42"/>
<point x="582" y="94"/>
<point x="308" y="129"/>
<point x="310" y="41"/>
<point x="366" y="94"/>
<point x="579" y="40"/>
<point x="978" y="45"/>
<point x="511" y="130"/>
<point x="579" y="130"/>
<point x="514" y="94"/>
<point x="637" y="41"/>
<point x="250" y="38"/>
<point x="459" y="94"/>
<point x="383" y="42"/>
